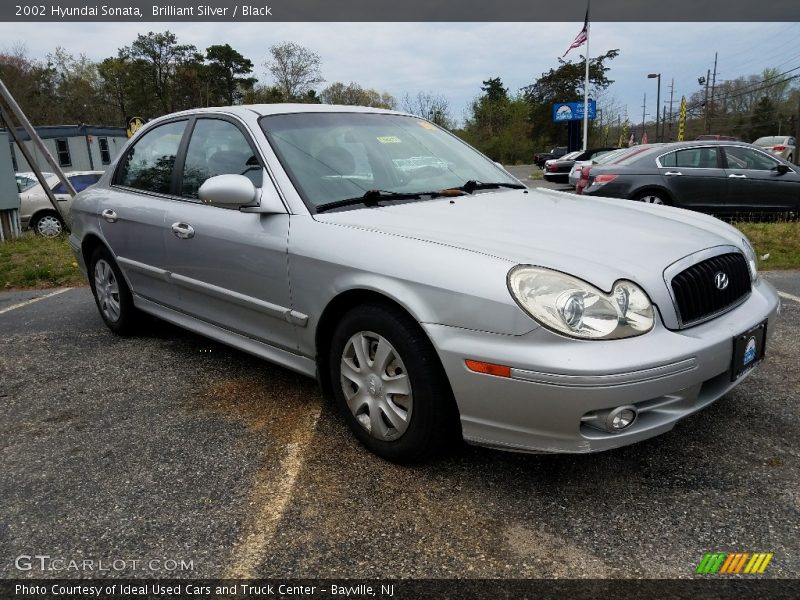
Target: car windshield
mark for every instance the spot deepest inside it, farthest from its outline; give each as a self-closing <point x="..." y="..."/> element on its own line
<point x="332" y="157"/>
<point x="571" y="155"/>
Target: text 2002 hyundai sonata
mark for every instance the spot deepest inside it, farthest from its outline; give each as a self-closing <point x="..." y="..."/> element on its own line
<point x="420" y="282"/>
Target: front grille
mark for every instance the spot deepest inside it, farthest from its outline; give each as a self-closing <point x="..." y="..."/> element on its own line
<point x="696" y="293"/>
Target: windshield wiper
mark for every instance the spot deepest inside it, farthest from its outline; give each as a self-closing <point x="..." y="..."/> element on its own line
<point x="473" y="185"/>
<point x="371" y="198"/>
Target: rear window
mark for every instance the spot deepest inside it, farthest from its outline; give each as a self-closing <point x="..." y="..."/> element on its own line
<point x="628" y="158"/>
<point x="769" y="140"/>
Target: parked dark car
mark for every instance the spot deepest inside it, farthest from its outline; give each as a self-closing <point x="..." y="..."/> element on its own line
<point x="558" y="170"/>
<point x="716" y="177"/>
<point x="540" y="157"/>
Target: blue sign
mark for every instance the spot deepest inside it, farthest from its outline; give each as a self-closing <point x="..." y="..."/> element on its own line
<point x="573" y="111"/>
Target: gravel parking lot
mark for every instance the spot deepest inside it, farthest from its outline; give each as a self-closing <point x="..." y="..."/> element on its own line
<point x="169" y="447"/>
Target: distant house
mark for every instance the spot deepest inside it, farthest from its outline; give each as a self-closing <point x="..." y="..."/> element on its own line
<point x="75" y="147"/>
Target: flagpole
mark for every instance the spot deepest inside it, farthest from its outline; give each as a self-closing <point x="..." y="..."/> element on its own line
<point x="586" y="84"/>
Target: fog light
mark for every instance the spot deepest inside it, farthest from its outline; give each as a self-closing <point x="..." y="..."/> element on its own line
<point x="621" y="418"/>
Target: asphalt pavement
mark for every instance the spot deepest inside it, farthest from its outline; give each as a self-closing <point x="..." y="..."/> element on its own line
<point x="184" y="457"/>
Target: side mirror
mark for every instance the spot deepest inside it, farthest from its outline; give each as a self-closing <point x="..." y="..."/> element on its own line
<point x="237" y="191"/>
<point x="230" y="191"/>
<point x="782" y="169"/>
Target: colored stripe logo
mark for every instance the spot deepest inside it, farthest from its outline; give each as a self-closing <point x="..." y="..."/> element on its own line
<point x="733" y="563"/>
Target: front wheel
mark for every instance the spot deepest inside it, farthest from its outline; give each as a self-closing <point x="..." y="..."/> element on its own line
<point x="652" y="198"/>
<point x="111" y="293"/>
<point x="390" y="385"/>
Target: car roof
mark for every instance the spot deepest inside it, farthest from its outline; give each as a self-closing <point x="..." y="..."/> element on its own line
<point x="288" y="108"/>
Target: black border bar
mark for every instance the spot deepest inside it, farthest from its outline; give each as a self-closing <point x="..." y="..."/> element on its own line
<point x="711" y="11"/>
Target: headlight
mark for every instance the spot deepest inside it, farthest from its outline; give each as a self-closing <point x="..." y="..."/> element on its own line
<point x="750" y="255"/>
<point x="577" y="309"/>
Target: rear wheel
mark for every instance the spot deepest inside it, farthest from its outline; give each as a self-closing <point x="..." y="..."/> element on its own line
<point x="48" y="224"/>
<point x="651" y="197"/>
<point x="390" y="385"/>
<point x="111" y="293"/>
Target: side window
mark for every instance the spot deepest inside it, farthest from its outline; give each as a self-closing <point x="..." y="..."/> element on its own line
<point x="79" y="182"/>
<point x="62" y="149"/>
<point x="105" y="155"/>
<point x="669" y="160"/>
<point x="148" y="164"/>
<point x="749" y="159"/>
<point x="695" y="158"/>
<point x="217" y="148"/>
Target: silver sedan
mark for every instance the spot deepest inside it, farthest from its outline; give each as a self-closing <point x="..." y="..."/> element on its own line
<point x="431" y="294"/>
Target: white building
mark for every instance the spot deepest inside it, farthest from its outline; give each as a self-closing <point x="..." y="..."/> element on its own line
<point x="75" y="147"/>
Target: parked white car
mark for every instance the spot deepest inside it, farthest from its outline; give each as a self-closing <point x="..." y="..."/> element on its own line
<point x="35" y="209"/>
<point x="784" y="146"/>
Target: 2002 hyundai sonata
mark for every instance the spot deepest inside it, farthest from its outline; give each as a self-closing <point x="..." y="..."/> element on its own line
<point x="419" y="282"/>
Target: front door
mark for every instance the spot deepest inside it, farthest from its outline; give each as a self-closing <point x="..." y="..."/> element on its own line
<point x="229" y="267"/>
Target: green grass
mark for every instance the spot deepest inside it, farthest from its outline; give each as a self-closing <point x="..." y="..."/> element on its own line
<point x="37" y="262"/>
<point x="536" y="175"/>
<point x="780" y="240"/>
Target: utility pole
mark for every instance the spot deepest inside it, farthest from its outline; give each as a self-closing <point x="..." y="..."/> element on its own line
<point x="644" y="109"/>
<point x="663" y="120"/>
<point x="705" y="104"/>
<point x="713" y="84"/>
<point x="671" y="92"/>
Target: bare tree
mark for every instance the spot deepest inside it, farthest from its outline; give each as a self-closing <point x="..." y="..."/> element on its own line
<point x="296" y="69"/>
<point x="433" y="107"/>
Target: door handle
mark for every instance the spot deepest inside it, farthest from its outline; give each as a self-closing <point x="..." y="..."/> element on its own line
<point x="109" y="215"/>
<point x="673" y="173"/>
<point x="737" y="176"/>
<point x="183" y="230"/>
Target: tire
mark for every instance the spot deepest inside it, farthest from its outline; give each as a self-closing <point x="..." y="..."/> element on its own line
<point x="111" y="293"/>
<point x="653" y="198"/>
<point x="48" y="224"/>
<point x="409" y="424"/>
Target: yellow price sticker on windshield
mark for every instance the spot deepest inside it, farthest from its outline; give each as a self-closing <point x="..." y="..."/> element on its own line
<point x="389" y="139"/>
<point x="426" y="125"/>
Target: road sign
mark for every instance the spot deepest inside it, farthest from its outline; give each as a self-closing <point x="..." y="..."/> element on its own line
<point x="134" y="123"/>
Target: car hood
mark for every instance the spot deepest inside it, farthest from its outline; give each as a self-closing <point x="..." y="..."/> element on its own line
<point x="599" y="240"/>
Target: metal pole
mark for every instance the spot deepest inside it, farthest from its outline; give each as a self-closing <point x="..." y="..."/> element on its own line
<point x="671" y="116"/>
<point x="644" y="114"/>
<point x="37" y="141"/>
<point x="586" y="85"/>
<point x="12" y="131"/>
<point x="705" y="112"/>
<point x="658" y="103"/>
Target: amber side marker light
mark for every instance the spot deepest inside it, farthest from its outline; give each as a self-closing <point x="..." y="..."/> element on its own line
<point x="488" y="368"/>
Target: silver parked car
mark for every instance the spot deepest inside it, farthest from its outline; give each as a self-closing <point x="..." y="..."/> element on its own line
<point x="428" y="291"/>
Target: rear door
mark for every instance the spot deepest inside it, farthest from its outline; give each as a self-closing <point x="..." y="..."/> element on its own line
<point x="133" y="213"/>
<point x="754" y="184"/>
<point x="695" y="177"/>
<point x="230" y="268"/>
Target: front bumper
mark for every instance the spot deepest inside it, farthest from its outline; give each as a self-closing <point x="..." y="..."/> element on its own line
<point x="557" y="384"/>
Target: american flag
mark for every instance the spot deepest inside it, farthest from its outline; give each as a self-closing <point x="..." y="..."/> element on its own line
<point x="582" y="37"/>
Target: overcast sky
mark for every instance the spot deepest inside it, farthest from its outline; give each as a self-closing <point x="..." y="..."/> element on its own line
<point x="453" y="58"/>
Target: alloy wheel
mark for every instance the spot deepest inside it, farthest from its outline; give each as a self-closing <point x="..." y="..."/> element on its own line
<point x="106" y="288"/>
